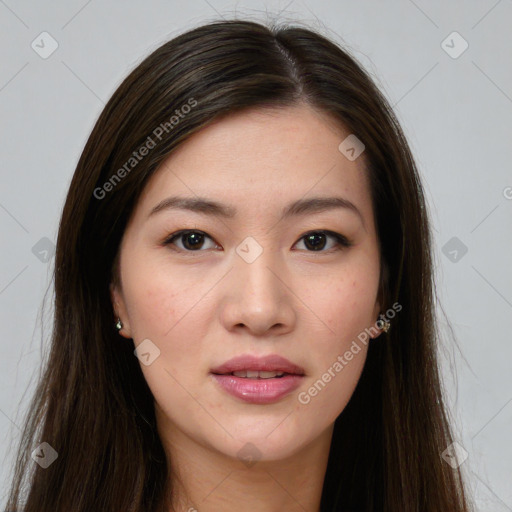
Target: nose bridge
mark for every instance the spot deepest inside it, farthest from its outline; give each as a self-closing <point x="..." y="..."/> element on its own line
<point x="257" y="292"/>
<point x="256" y="268"/>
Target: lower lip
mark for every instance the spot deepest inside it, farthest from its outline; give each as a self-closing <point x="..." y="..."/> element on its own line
<point x="258" y="391"/>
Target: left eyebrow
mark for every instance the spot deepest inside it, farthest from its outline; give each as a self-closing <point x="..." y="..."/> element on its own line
<point x="297" y="208"/>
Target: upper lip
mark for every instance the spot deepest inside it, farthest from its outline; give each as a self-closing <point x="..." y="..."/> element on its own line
<point x="268" y="363"/>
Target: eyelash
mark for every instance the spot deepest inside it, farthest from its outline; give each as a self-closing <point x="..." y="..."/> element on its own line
<point x="342" y="241"/>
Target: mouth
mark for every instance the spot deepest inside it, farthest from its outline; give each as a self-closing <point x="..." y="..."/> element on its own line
<point x="255" y="374"/>
<point x="258" y="380"/>
<point x="248" y="366"/>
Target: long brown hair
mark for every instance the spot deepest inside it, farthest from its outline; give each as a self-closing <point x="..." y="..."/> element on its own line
<point x="93" y="405"/>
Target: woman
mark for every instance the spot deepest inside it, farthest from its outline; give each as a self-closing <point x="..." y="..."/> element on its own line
<point x="238" y="323"/>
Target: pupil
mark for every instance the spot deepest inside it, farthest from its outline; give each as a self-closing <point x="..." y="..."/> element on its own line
<point x="315" y="245"/>
<point x="194" y="236"/>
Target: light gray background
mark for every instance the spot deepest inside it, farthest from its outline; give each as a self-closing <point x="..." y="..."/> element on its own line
<point x="456" y="113"/>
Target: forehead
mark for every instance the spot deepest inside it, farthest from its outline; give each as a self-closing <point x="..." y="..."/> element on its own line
<point x="260" y="159"/>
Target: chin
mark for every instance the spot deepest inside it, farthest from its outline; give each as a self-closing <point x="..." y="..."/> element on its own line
<point x="268" y="439"/>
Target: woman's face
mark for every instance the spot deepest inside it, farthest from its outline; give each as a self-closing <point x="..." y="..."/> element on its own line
<point x="253" y="277"/>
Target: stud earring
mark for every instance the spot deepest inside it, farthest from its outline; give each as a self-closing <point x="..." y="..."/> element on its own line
<point x="385" y="323"/>
<point x="119" y="325"/>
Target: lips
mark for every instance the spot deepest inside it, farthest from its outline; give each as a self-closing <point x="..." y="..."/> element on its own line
<point x="252" y="364"/>
<point x="258" y="380"/>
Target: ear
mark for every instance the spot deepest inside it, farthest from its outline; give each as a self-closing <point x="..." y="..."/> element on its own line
<point x="376" y="313"/>
<point x="120" y="312"/>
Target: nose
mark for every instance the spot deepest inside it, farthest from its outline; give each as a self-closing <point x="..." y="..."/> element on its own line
<point x="258" y="298"/>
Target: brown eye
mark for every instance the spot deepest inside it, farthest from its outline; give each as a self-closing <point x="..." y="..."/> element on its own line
<point x="192" y="241"/>
<point x="316" y="241"/>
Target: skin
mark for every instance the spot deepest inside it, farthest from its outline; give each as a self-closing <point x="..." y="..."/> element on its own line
<point x="207" y="305"/>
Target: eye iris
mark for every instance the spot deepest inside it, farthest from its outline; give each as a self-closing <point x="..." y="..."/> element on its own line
<point x="197" y="240"/>
<point x="310" y="239"/>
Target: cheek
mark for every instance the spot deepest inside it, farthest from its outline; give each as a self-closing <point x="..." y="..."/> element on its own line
<point x="158" y="301"/>
<point x="346" y="308"/>
<point x="343" y="307"/>
<point x="329" y="391"/>
<point x="167" y="311"/>
<point x="174" y="312"/>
